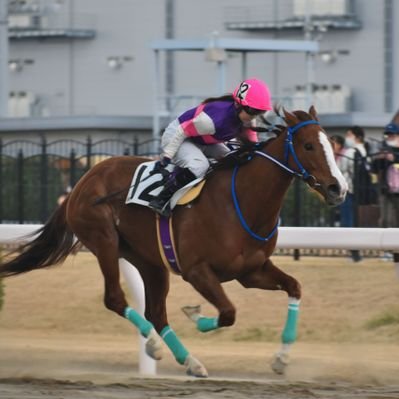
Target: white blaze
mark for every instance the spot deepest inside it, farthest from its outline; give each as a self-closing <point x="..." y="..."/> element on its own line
<point x="328" y="151"/>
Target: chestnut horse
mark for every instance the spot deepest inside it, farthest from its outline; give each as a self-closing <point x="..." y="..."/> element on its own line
<point x="228" y="233"/>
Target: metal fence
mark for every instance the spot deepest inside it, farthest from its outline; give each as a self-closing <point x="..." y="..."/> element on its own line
<point x="34" y="174"/>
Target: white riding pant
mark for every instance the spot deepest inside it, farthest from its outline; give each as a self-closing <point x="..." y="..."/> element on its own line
<point x="192" y="155"/>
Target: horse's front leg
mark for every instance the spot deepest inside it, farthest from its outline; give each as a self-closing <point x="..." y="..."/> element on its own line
<point x="156" y="282"/>
<point x="205" y="281"/>
<point x="269" y="277"/>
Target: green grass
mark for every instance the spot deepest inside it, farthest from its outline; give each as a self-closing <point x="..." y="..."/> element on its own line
<point x="387" y="318"/>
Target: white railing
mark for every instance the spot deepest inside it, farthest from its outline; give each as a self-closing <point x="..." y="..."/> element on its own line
<point x="384" y="239"/>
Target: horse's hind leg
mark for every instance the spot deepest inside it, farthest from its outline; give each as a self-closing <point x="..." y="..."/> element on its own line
<point x="269" y="277"/>
<point x="156" y="283"/>
<point x="104" y="245"/>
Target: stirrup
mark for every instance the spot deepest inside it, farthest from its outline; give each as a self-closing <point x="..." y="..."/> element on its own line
<point x="162" y="209"/>
<point x="165" y="211"/>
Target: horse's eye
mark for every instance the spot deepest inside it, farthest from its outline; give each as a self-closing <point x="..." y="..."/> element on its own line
<point x="308" y="146"/>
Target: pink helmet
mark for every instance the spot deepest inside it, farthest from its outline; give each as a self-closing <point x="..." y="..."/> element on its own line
<point x="253" y="93"/>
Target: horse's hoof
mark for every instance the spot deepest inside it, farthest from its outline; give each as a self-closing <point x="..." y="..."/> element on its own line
<point x="153" y="346"/>
<point x="195" y="368"/>
<point x="280" y="362"/>
<point x="192" y="312"/>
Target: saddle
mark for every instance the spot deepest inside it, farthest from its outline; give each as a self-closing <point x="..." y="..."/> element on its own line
<point x="147" y="184"/>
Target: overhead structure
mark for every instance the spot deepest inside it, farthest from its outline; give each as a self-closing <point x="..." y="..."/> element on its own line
<point x="3" y="59"/>
<point x="215" y="49"/>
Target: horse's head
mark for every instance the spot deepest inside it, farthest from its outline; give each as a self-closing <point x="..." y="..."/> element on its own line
<point x="311" y="154"/>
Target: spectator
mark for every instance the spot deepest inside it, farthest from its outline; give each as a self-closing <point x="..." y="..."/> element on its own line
<point x="386" y="165"/>
<point x="345" y="164"/>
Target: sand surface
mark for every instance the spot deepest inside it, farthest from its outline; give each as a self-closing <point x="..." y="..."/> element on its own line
<point x="58" y="341"/>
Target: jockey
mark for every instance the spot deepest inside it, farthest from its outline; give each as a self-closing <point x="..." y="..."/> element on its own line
<point x="200" y="133"/>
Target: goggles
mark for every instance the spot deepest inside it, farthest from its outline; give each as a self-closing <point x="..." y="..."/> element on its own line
<point x="253" y="111"/>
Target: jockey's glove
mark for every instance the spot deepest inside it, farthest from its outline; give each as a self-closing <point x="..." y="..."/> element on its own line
<point x="165" y="161"/>
<point x="160" y="166"/>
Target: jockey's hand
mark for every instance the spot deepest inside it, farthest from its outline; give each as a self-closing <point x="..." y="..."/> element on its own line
<point x="165" y="161"/>
<point x="160" y="166"/>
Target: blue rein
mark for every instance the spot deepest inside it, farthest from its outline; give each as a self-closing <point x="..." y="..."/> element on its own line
<point x="241" y="217"/>
<point x="303" y="173"/>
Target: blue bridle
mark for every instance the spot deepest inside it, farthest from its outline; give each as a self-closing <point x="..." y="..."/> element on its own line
<point x="288" y="150"/>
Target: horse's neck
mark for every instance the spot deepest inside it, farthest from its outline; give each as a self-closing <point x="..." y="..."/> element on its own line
<point x="266" y="184"/>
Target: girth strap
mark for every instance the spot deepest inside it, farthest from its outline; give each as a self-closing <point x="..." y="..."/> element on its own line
<point x="166" y="243"/>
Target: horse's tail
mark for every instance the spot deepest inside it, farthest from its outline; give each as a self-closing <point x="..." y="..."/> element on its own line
<point x="51" y="245"/>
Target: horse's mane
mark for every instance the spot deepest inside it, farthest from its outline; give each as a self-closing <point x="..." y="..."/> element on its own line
<point x="242" y="153"/>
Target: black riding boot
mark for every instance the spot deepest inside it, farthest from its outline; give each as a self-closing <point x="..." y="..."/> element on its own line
<point x="160" y="203"/>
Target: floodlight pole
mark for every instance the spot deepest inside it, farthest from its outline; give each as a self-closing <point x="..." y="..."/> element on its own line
<point x="3" y="58"/>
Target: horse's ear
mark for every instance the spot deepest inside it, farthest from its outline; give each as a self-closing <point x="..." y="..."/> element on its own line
<point x="313" y="113"/>
<point x="290" y="118"/>
<point x="395" y="119"/>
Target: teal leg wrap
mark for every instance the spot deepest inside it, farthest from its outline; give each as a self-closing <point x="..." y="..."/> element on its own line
<point x="179" y="351"/>
<point x="289" y="333"/>
<point x="140" y="322"/>
<point x="205" y="324"/>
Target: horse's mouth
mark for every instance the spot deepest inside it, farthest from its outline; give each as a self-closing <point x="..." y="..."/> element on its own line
<point x="335" y="201"/>
<point x="334" y="198"/>
<point x="331" y="195"/>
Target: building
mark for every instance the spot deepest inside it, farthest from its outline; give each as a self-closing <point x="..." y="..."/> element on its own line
<point x="78" y="67"/>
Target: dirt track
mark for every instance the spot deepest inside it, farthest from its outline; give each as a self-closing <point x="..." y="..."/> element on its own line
<point x="58" y="341"/>
<point x="77" y="367"/>
<point x="168" y="388"/>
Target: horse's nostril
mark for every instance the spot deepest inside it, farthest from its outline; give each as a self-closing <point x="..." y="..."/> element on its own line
<point x="333" y="190"/>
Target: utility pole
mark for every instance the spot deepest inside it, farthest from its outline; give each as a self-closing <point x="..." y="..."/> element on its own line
<point x="308" y="32"/>
<point x="3" y="58"/>
<point x="169" y="55"/>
